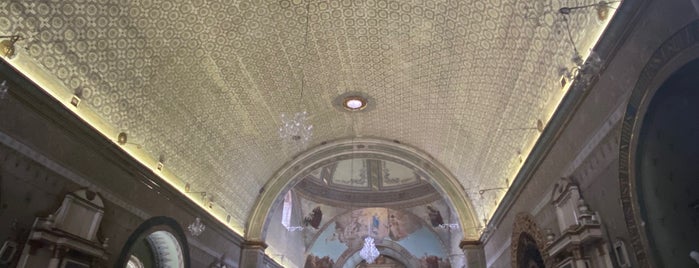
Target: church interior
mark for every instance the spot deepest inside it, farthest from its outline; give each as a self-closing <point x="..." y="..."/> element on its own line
<point x="349" y="133"/>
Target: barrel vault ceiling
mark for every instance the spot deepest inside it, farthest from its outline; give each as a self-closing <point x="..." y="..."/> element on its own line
<point x="202" y="84"/>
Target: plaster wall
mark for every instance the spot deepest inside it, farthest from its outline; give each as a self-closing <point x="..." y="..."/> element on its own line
<point x="587" y="148"/>
<point x="44" y="157"/>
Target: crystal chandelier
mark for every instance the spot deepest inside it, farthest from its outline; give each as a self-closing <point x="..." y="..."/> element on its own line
<point x="584" y="70"/>
<point x="296" y="128"/>
<point x="369" y="251"/>
<point x="197" y="227"/>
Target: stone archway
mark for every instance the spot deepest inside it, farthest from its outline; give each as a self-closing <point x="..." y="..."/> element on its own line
<point x="350" y="258"/>
<point x="165" y="240"/>
<point x="528" y="244"/>
<point x="291" y="173"/>
<point x="674" y="53"/>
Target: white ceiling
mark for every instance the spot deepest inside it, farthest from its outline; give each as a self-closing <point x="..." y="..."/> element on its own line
<point x="204" y="83"/>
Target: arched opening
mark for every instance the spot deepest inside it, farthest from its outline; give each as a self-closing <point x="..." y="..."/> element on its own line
<point x="667" y="171"/>
<point x="528" y="254"/>
<point x="383" y="261"/>
<point x="528" y="244"/>
<point x="158" y="242"/>
<point x="294" y="171"/>
<point x="392" y="254"/>
<point x="677" y="55"/>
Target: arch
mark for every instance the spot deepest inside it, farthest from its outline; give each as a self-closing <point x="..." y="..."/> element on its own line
<point x="292" y="172"/>
<point x="675" y="52"/>
<point x="410" y="214"/>
<point x="350" y="258"/>
<point x="163" y="234"/>
<point x="525" y="234"/>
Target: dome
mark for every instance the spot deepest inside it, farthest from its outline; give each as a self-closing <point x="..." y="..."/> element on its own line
<point x="364" y="182"/>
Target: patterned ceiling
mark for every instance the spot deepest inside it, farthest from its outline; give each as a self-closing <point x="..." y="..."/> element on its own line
<point x="203" y="83"/>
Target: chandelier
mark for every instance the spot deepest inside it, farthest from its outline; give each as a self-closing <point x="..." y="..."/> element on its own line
<point x="197" y="227"/>
<point x="369" y="251"/>
<point x="584" y="70"/>
<point x="296" y="128"/>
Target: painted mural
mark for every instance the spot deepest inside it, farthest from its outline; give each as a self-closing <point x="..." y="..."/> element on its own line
<point x="434" y="262"/>
<point x="314" y="218"/>
<point x="313" y="261"/>
<point x="417" y="230"/>
<point x="380" y="223"/>
<point x="435" y="216"/>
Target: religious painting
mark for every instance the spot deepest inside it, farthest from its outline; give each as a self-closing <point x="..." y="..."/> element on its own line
<point x="313" y="261"/>
<point x="314" y="218"/>
<point x="352" y="227"/>
<point x="434" y="262"/>
<point x="435" y="216"/>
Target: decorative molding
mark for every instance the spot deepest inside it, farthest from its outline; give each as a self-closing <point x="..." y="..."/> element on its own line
<point x="619" y="28"/>
<point x="411" y="196"/>
<point x="252" y="244"/>
<point x="470" y="243"/>
<point x="642" y="93"/>
<point x="525" y="224"/>
<point x="150" y="226"/>
<point x="385" y="247"/>
<point x="35" y="100"/>
<point x="290" y="174"/>
<point x="37" y="157"/>
<point x="494" y="258"/>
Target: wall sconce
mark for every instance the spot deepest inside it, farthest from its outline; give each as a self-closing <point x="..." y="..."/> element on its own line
<point x="3" y="89"/>
<point x="161" y="163"/>
<point x="77" y="96"/>
<point x="122" y="138"/>
<point x="7" y="46"/>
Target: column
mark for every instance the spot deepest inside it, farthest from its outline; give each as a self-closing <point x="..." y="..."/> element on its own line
<point x="473" y="251"/>
<point x="56" y="257"/>
<point x="252" y="254"/>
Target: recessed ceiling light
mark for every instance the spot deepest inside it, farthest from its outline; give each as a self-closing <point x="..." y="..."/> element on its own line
<point x="354" y="103"/>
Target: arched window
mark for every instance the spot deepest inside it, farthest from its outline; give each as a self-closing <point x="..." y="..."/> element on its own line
<point x="286" y="210"/>
<point x="134" y="262"/>
<point x="158" y="242"/>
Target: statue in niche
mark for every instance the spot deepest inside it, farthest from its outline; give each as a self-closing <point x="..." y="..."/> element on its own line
<point x="313" y="219"/>
<point x="435" y="216"/>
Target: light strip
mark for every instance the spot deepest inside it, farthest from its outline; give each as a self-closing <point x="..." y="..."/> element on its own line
<point x="51" y="85"/>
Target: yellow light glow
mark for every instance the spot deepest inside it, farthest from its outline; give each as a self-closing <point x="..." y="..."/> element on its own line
<point x="51" y="85"/>
<point x="585" y="51"/>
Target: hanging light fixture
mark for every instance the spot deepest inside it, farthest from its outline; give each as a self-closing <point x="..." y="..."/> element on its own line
<point x="296" y="127"/>
<point x="197" y="227"/>
<point x="584" y="69"/>
<point x="369" y="251"/>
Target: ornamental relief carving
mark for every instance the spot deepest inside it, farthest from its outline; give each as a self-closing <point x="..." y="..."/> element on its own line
<point x="525" y="226"/>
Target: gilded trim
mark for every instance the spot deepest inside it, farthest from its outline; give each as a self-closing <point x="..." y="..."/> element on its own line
<point x="525" y="224"/>
<point x="642" y="92"/>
